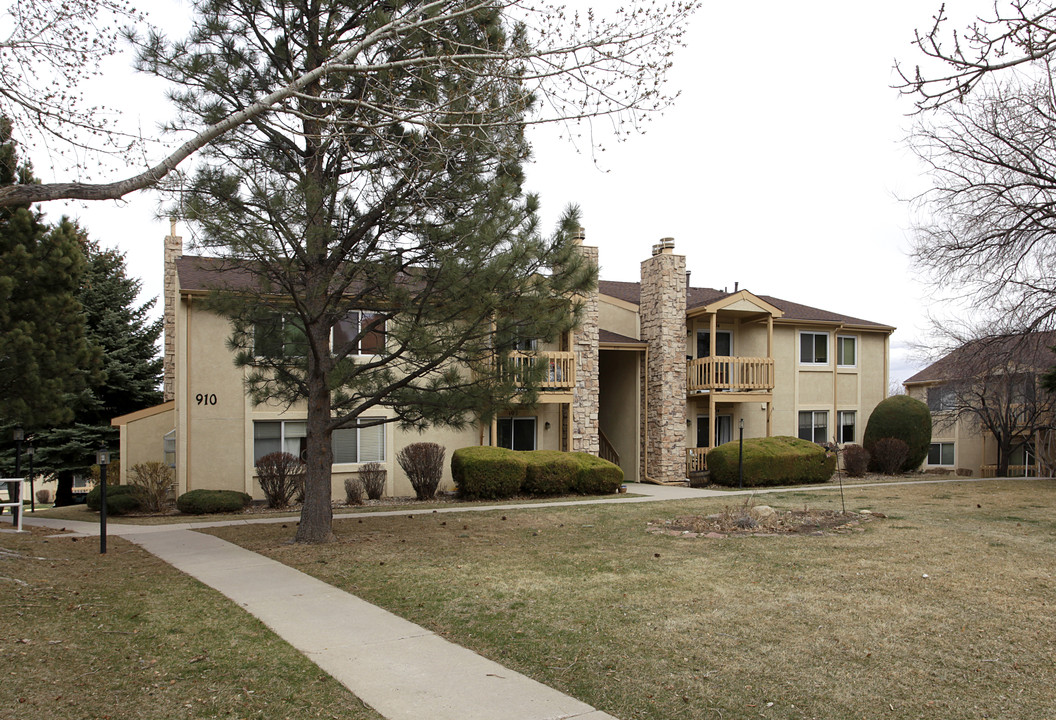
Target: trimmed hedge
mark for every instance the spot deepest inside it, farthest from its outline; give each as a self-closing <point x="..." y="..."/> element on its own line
<point x="772" y="461"/>
<point x="120" y="499"/>
<point x="207" y="502"/>
<point x="492" y="473"/>
<point x="905" y="418"/>
<point x="488" y="472"/>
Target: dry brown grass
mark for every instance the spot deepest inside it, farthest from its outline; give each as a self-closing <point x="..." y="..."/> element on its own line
<point x="946" y="609"/>
<point x="125" y="636"/>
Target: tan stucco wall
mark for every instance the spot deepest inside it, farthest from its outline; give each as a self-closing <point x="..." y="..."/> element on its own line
<point x="617" y="318"/>
<point x="142" y="440"/>
<point x="620" y="411"/>
<point x="971" y="447"/>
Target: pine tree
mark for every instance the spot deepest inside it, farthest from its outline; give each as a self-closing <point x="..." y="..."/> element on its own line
<point x="394" y="189"/>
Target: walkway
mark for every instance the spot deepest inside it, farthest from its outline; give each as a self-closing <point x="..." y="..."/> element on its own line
<point x="403" y="671"/>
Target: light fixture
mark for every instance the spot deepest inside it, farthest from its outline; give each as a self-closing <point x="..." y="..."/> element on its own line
<point x="19" y="434"/>
<point x="546" y="425"/>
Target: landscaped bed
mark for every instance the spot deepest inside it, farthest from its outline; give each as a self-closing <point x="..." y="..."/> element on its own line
<point x="946" y="608"/>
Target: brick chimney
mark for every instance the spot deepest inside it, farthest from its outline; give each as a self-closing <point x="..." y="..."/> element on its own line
<point x="173" y="251"/>
<point x="663" y="322"/>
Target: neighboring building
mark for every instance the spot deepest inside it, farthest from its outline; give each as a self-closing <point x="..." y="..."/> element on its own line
<point x="657" y="372"/>
<point x="984" y="393"/>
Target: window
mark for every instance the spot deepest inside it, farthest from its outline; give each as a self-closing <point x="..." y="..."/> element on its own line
<point x="516" y="433"/>
<point x="1022" y="455"/>
<point x="276" y="336"/>
<point x="356" y="444"/>
<point x="360" y="333"/>
<point x="723" y="343"/>
<point x="524" y="345"/>
<point x="279" y="436"/>
<point x="813" y="348"/>
<point x="168" y="448"/>
<point x="359" y="444"/>
<point x="814" y="425"/>
<point x="941" y="397"/>
<point x="940" y="454"/>
<point x="846" y="351"/>
<point x="845" y="425"/>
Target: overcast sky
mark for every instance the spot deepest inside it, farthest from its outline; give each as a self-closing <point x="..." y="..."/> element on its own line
<point x="782" y="166"/>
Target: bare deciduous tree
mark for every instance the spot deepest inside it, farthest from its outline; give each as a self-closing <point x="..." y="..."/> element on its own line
<point x="579" y="66"/>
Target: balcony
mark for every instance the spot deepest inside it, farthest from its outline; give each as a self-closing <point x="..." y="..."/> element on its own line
<point x="560" y="373"/>
<point x="734" y="374"/>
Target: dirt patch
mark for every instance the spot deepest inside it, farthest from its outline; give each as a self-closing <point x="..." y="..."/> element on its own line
<point x="748" y="519"/>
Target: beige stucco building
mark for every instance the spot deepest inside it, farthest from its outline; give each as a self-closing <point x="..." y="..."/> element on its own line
<point x="657" y="372"/>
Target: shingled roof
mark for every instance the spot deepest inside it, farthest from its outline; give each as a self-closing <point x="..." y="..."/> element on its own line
<point x="697" y="297"/>
<point x="1028" y="350"/>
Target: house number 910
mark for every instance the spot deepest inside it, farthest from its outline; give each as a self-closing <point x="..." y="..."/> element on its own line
<point x="206" y="399"/>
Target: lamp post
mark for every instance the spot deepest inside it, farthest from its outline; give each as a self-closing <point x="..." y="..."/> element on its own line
<point x="102" y="458"/>
<point x="740" y="457"/>
<point x="30" y="452"/>
<point x="14" y="489"/>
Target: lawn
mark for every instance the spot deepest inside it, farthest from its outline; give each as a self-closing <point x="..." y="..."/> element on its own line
<point x="946" y="608"/>
<point x="125" y="636"/>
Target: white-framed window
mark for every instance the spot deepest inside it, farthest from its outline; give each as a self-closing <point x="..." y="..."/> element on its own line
<point x="941" y="398"/>
<point x="516" y="433"/>
<point x="845" y="426"/>
<point x="846" y="351"/>
<point x="359" y="444"/>
<point x="168" y="448"/>
<point x="940" y="453"/>
<point x="814" y="425"/>
<point x="354" y="444"/>
<point x="525" y="345"/>
<point x="813" y="348"/>
<point x="276" y="335"/>
<point x="360" y="333"/>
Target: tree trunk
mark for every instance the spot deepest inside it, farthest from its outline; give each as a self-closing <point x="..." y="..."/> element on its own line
<point x="1003" y="451"/>
<point x="64" y="489"/>
<point x="317" y="513"/>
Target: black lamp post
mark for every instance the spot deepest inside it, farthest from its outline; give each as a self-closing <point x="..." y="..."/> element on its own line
<point x="740" y="457"/>
<point x="102" y="458"/>
<point x="30" y="452"/>
<point x="14" y="489"/>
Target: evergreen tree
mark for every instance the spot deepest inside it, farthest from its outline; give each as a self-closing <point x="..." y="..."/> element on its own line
<point x="384" y="199"/>
<point x="126" y="339"/>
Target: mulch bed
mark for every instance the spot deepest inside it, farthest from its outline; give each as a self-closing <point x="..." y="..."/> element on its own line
<point x="763" y="520"/>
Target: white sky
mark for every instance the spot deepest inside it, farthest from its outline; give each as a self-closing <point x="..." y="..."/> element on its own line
<point x="780" y="167"/>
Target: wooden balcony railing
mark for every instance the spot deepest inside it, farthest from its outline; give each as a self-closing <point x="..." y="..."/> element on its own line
<point x="730" y="373"/>
<point x="560" y="373"/>
<point x="696" y="460"/>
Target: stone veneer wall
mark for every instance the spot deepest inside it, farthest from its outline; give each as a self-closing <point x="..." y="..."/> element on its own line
<point x="585" y="401"/>
<point x="663" y="320"/>
<point x="173" y="251"/>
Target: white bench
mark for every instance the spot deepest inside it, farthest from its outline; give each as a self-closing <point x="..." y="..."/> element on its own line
<point x="15" y="505"/>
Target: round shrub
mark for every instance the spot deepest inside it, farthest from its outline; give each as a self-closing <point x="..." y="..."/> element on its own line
<point x="207" y="502"/>
<point x="549" y="472"/>
<point x="120" y="499"/>
<point x="488" y="472"/>
<point x="596" y="476"/>
<point x="855" y="460"/>
<point x="772" y="461"/>
<point x="905" y="418"/>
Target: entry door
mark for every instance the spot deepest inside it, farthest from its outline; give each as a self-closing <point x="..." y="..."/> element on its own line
<point x="723" y="429"/>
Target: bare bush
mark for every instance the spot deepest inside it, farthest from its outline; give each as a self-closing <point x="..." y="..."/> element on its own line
<point x="372" y="475"/>
<point x="855" y="460"/>
<point x="889" y="454"/>
<point x="424" y="464"/>
<point x="354" y="491"/>
<point x="281" y="478"/>
<point x="153" y="485"/>
<point x="43" y="496"/>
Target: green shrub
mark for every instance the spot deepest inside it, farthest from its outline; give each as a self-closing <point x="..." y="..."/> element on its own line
<point x="206" y="502"/>
<point x="771" y="461"/>
<point x="905" y="418"/>
<point x="550" y="472"/>
<point x="120" y="499"/>
<point x="488" y="472"/>
<point x="596" y="476"/>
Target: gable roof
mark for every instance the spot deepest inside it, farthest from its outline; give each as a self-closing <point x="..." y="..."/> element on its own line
<point x="1028" y="350"/>
<point x="697" y="297"/>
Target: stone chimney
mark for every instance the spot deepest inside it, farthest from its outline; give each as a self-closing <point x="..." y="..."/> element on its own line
<point x="663" y="322"/>
<point x="585" y="399"/>
<point x="173" y="251"/>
